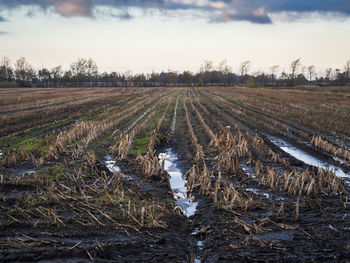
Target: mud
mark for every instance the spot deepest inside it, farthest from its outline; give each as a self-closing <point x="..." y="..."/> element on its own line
<point x="259" y="233"/>
<point x="111" y="212"/>
<point x="317" y="236"/>
<point x="21" y="242"/>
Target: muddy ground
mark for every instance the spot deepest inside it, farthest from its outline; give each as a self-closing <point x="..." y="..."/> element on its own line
<point x="106" y="217"/>
<point x="21" y="242"/>
<point x="320" y="234"/>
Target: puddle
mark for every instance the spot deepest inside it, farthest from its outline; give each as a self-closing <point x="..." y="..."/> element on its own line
<point x="339" y="160"/>
<point x="195" y="232"/>
<point x="249" y="171"/>
<point x="1" y="153"/>
<point x="307" y="158"/>
<point x="200" y="244"/>
<point x="179" y="189"/>
<point x="19" y="172"/>
<point x="111" y="164"/>
<point x="177" y="182"/>
<point x="257" y="191"/>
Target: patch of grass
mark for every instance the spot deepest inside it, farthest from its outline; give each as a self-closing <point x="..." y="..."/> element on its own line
<point x="105" y="140"/>
<point x="54" y="172"/>
<point x="250" y="123"/>
<point x="141" y="141"/>
<point x="18" y="143"/>
<point x="171" y="201"/>
<point x="93" y="115"/>
<point x="8" y="143"/>
<point x="140" y="145"/>
<point x="59" y="124"/>
<point x="89" y="116"/>
<point x="57" y="172"/>
<point x="108" y="111"/>
<point x="30" y="144"/>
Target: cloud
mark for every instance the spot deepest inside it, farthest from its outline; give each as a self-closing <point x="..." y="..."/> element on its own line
<point x="3" y="33"/>
<point x="257" y="16"/>
<point x="73" y="7"/>
<point x="2" y="19"/>
<point x="63" y="7"/>
<point x="255" y="11"/>
<point x="123" y="16"/>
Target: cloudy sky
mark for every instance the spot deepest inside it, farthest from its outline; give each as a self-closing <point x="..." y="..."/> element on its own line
<point x="159" y="35"/>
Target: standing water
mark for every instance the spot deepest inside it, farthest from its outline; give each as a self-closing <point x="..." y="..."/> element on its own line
<point x="177" y="182"/>
<point x="307" y="158"/>
<point x="111" y="164"/>
<point x="178" y="187"/>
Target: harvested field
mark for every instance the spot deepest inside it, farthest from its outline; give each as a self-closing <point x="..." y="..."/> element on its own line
<point x="214" y="174"/>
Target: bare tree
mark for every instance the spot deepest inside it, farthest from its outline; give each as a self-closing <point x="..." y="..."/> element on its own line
<point x="24" y="72"/>
<point x="128" y="76"/>
<point x="5" y="62"/>
<point x="91" y="69"/>
<point x="187" y="77"/>
<point x="295" y="65"/>
<point x="243" y="69"/>
<point x="273" y="70"/>
<point x="206" y="66"/>
<point x="223" y="72"/>
<point x="224" y="68"/>
<point x="44" y="76"/>
<point x="6" y="72"/>
<point x="328" y="76"/>
<point x="206" y="70"/>
<point x="78" y="69"/>
<point x="311" y="71"/>
<point x="21" y="65"/>
<point x="56" y="74"/>
<point x="347" y="70"/>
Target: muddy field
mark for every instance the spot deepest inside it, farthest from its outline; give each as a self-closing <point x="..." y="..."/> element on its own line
<point x="219" y="174"/>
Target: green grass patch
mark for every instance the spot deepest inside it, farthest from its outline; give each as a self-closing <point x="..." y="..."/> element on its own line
<point x="141" y="141"/>
<point x="140" y="145"/>
<point x="107" y="112"/>
<point x="107" y="139"/>
<point x="171" y="201"/>
<point x="57" y="172"/>
<point x="18" y="143"/>
<point x="58" y="124"/>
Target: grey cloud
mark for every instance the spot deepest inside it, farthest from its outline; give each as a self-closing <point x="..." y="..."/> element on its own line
<point x="255" y="11"/>
<point x="124" y="16"/>
<point x="3" y="33"/>
<point x="63" y="7"/>
<point x="252" y="17"/>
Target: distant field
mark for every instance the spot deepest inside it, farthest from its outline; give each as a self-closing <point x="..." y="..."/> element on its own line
<point x="264" y="174"/>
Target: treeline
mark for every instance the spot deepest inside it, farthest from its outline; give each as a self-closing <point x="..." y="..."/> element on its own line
<point x="84" y="72"/>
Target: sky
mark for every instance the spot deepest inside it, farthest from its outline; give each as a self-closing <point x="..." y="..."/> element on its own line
<point x="155" y="35"/>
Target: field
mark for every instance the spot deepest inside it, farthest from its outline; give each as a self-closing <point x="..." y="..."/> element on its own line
<point x="213" y="174"/>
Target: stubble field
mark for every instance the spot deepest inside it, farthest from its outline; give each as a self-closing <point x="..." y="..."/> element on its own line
<point x="216" y="174"/>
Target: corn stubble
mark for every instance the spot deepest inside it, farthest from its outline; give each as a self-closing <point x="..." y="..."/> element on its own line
<point x="96" y="198"/>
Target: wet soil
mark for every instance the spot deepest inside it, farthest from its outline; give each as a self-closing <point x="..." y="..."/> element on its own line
<point x="320" y="233"/>
<point x="259" y="233"/>
<point x="317" y="236"/>
<point x="22" y="242"/>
